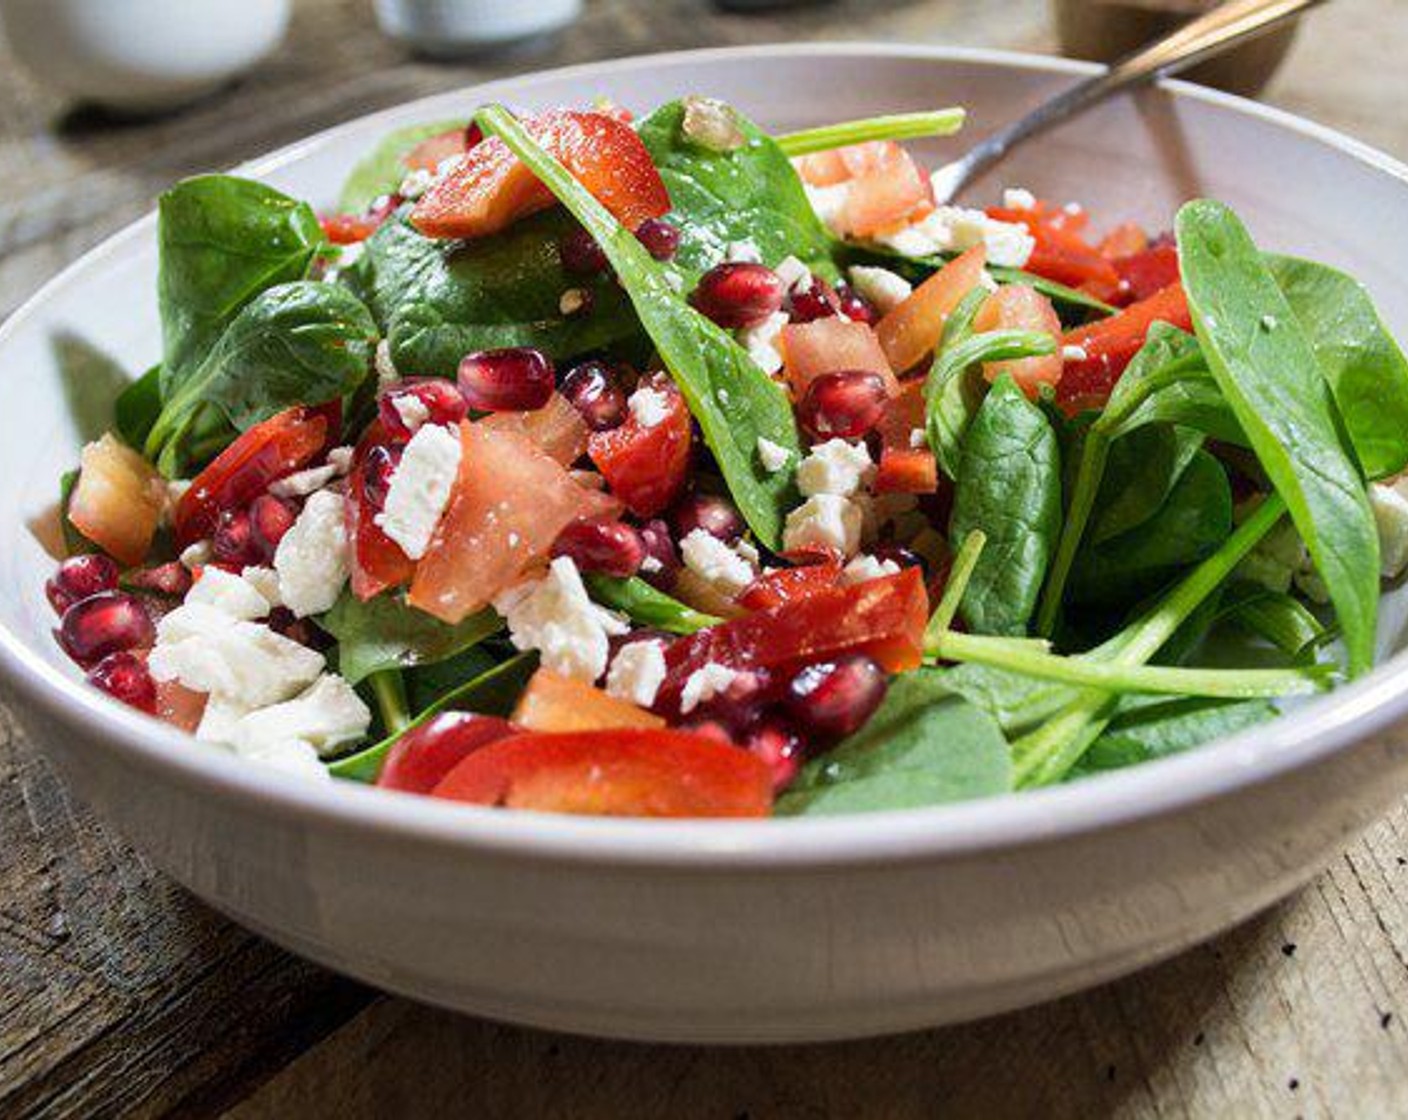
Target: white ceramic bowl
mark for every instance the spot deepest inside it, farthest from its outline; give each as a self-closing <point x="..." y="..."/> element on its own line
<point x="720" y="931"/>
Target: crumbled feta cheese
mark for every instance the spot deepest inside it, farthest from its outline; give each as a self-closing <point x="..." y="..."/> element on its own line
<point x="229" y="594"/>
<point x="573" y="301"/>
<point x="706" y="682"/>
<point x="987" y="281"/>
<point x="1073" y="353"/>
<point x="637" y="672"/>
<point x="302" y="483"/>
<point x="413" y="411"/>
<point x="951" y="229"/>
<point x="834" y="467"/>
<point x="197" y="555"/>
<point x="1074" y="209"/>
<point x="420" y="489"/>
<point x="761" y="342"/>
<point x="773" y="456"/>
<point x="416" y="183"/>
<point x="744" y="251"/>
<point x="220" y="719"/>
<point x="793" y="274"/>
<point x="385" y="367"/>
<point x="865" y="568"/>
<point x="726" y="568"/>
<point x="266" y="582"/>
<point x="883" y="288"/>
<point x="651" y="564"/>
<point x="1268" y="322"/>
<point x="340" y="459"/>
<point x="291" y="756"/>
<point x="327" y="715"/>
<point x="554" y="616"/>
<point x="824" y="521"/>
<point x="1018" y="198"/>
<point x="829" y="204"/>
<point x="1277" y="557"/>
<point x="918" y="438"/>
<point x="312" y="558"/>
<point x="1390" y="506"/>
<point x="244" y="662"/>
<point x="649" y="406"/>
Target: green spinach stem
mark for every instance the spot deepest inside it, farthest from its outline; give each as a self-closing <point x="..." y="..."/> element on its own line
<point x="894" y="126"/>
<point x="389" y="688"/>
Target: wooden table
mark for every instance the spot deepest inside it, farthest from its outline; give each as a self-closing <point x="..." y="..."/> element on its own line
<point x="121" y="995"/>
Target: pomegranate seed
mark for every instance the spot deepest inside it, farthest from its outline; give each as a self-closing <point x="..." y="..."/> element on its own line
<point x="125" y="677"/>
<point x="832" y="699"/>
<point x="855" y="306"/>
<point x="594" y="390"/>
<point x="660" y="238"/>
<point x="580" y="254"/>
<point x="518" y="379"/>
<point x="611" y="547"/>
<point x="473" y="136"/>
<point x="815" y="301"/>
<point x="269" y="519"/>
<point x="738" y="294"/>
<point x="739" y="706"/>
<point x="380" y="464"/>
<point x="105" y="623"/>
<point x="661" y="561"/>
<point x="283" y="621"/>
<point x="78" y="577"/>
<point x="715" y="515"/>
<point x="781" y="749"/>
<point x="233" y="539"/>
<point x="171" y="579"/>
<point x="407" y="405"/>
<point x="846" y="404"/>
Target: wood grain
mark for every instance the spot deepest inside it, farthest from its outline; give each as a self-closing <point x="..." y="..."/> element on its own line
<point x="121" y="996"/>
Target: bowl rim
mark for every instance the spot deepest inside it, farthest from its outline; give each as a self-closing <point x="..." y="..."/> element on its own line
<point x="1252" y="757"/>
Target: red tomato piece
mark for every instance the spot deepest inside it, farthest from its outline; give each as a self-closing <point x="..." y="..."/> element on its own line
<point x="910" y="331"/>
<point x="830" y="345"/>
<point x="265" y="453"/>
<point x="1124" y="240"/>
<point x="787" y="585"/>
<point x="904" y="415"/>
<point x="431" y="152"/>
<point x="822" y="169"/>
<point x="557" y="428"/>
<point x="1061" y="254"/>
<point x="622" y="773"/>
<point x="420" y="758"/>
<point x="1144" y="273"/>
<point x="1019" y="307"/>
<point x="490" y="189"/>
<point x="647" y="467"/>
<point x="552" y="702"/>
<point x="117" y="500"/>
<point x="888" y="198"/>
<point x="1109" y="344"/>
<point x="906" y="470"/>
<point x="179" y="706"/>
<point x="377" y="560"/>
<point x="347" y="229"/>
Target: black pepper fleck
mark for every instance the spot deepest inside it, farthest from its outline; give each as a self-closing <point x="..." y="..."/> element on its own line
<point x="1293" y="1084"/>
<point x="1385" y="1019"/>
<point x="1199" y="1038"/>
<point x="1289" y="948"/>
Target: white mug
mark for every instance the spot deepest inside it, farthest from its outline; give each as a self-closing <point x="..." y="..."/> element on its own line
<point x="447" y="28"/>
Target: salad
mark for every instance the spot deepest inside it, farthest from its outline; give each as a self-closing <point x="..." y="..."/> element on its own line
<point x="663" y="467"/>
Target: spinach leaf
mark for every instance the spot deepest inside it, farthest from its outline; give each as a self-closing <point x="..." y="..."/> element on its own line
<point x="440" y="300"/>
<point x="645" y="605"/>
<point x="385" y="633"/>
<point x="222" y="240"/>
<point x="1273" y="381"/>
<point x="382" y="170"/>
<point x="923" y="746"/>
<point x="751" y="193"/>
<point x="137" y="407"/>
<point x="1150" y="729"/>
<point x="427" y="683"/>
<point x="1009" y="486"/>
<point x="1142" y="470"/>
<point x="734" y="401"/>
<point x="1368" y="373"/>
<point x="1275" y="616"/>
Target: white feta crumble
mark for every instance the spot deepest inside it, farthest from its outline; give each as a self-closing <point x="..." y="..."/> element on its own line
<point x="953" y="229"/>
<point x="829" y="204"/>
<point x="573" y="300"/>
<point x="554" y="616"/>
<point x="384" y="365"/>
<point x="649" y="406"/>
<point x="706" y="682"/>
<point x="420" y="489"/>
<point x="834" y="467"/>
<point x="266" y="582"/>
<point x="651" y="564"/>
<point x="987" y="281"/>
<point x="773" y="456"/>
<point x="1073" y="353"/>
<point x="793" y="273"/>
<point x="637" y="672"/>
<point x="196" y="555"/>
<point x="1018" y="198"/>
<point x="416" y="183"/>
<point x="761" y="341"/>
<point x="918" y="438"/>
<point x="865" y="568"/>
<point x="881" y="287"/>
<point x="340" y="459"/>
<point x="219" y="720"/>
<point x="824" y="521"/>
<point x="1268" y="322"/>
<point x="1390" y="505"/>
<point x="229" y="594"/>
<point x="743" y="251"/>
<point x="327" y="715"/>
<point x="302" y="483"/>
<point x="712" y="560"/>
<point x="291" y="756"/>
<point x="312" y="558"/>
<point x="413" y="411"/>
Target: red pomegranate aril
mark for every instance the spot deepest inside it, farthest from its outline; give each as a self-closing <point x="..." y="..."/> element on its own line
<point x="610" y="547"/>
<point x="581" y="255"/>
<point x="233" y="539"/>
<point x="715" y="515"/>
<point x="660" y="238"/>
<point x="380" y="464"/>
<point x="855" y="306"/>
<point x="125" y="677"/>
<point x="269" y="519"/>
<point x="78" y="577"/>
<point x="423" y="755"/>
<point x="738" y="707"/>
<point x="661" y="562"/>
<point x="832" y="699"/>
<point x="814" y="301"/>
<point x="738" y="294"/>
<point x="172" y="579"/>
<point x="781" y="748"/>
<point x="473" y="136"/>
<point x="431" y="400"/>
<point x="109" y="622"/>
<point x="517" y="379"/>
<point x="283" y="621"/>
<point x="594" y="390"/>
<point x="847" y="404"/>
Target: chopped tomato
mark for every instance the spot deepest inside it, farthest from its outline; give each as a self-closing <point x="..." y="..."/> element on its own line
<point x="179" y="706"/>
<point x="1019" y="307"/>
<point x="904" y="415"/>
<point x="1061" y="253"/>
<point x="883" y="617"/>
<point x="646" y="466"/>
<point x="278" y="446"/>
<point x="1109" y="344"/>
<point x="910" y="331"/>
<point x="117" y="501"/>
<point x="420" y="758"/>
<point x="557" y="428"/>
<point x="509" y="503"/>
<point x="431" y="152"/>
<point x="377" y="560"/>
<point x="888" y="189"/>
<point x="1144" y="273"/>
<point x="490" y="189"/>
<point x="822" y="169"/>
<point x="623" y="773"/>
<point x="787" y="585"/>
<point x="828" y="346"/>
<point x="1124" y="240"/>
<point x="907" y="470"/>
<point x="347" y="229"/>
<point x="552" y="702"/>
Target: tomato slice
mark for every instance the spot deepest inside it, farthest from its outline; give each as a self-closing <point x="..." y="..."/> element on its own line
<point x="1061" y="253"/>
<point x="1145" y="273"/>
<point x="347" y="229"/>
<point x="903" y="416"/>
<point x="828" y="346"/>
<point x="557" y="428"/>
<point x="911" y="331"/>
<point x="490" y="189"/>
<point x="552" y="702"/>
<point x="647" y="466"/>
<point x="117" y="501"/>
<point x="377" y="561"/>
<point x="882" y="617"/>
<point x="1019" y="307"/>
<point x="431" y="152"/>
<point x="420" y="758"/>
<point x="787" y="585"/>
<point x="1110" y="343"/>
<point x="278" y="446"/>
<point x="621" y="773"/>
<point x="906" y="470"/>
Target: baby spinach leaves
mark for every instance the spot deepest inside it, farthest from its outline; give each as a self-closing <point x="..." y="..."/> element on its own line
<point x="1150" y="728"/>
<point x="1271" y="377"/>
<point x="384" y="633"/>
